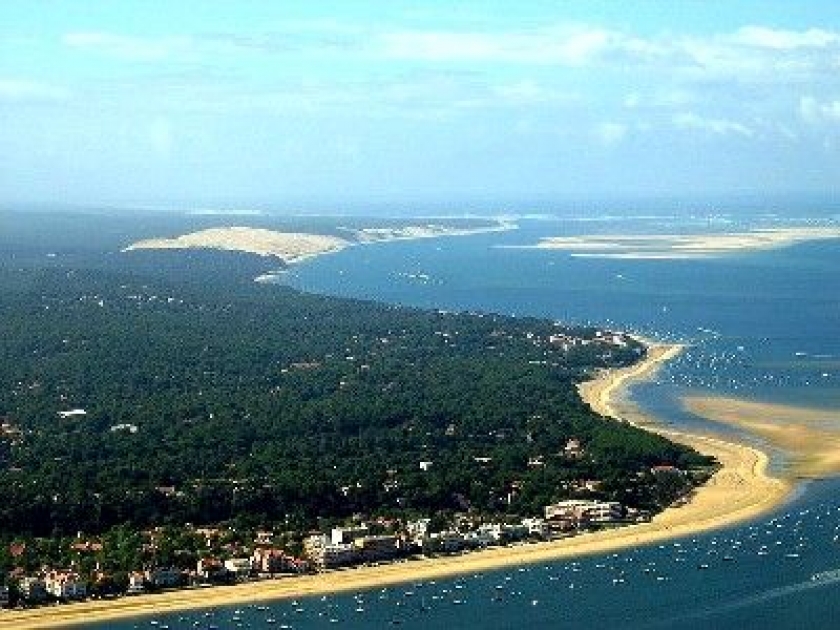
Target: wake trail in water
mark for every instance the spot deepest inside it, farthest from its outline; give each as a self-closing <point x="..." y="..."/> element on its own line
<point x="818" y="580"/>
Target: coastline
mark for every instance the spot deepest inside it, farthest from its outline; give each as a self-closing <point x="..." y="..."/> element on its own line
<point x="739" y="491"/>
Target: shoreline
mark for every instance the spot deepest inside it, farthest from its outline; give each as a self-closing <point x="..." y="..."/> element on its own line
<point x="739" y="491"/>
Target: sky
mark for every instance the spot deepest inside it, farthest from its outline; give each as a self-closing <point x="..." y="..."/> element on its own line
<point x="231" y="103"/>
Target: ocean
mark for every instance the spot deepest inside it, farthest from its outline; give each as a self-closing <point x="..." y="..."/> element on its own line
<point x="761" y="325"/>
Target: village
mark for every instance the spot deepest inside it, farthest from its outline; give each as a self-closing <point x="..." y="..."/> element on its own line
<point x="358" y="543"/>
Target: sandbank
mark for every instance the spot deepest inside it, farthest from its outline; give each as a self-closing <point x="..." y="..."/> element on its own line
<point x="683" y="246"/>
<point x="810" y="437"/>
<point x="740" y="490"/>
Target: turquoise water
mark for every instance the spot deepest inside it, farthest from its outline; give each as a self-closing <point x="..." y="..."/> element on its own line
<point x="761" y="324"/>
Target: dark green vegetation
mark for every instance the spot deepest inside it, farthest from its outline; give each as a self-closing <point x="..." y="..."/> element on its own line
<point x="265" y="406"/>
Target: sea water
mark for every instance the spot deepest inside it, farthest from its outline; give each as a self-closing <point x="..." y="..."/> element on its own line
<point x="761" y="324"/>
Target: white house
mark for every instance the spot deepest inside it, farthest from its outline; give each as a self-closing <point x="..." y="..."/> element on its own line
<point x="239" y="567"/>
<point x="72" y="413"/>
<point x="136" y="583"/>
<point x="65" y="585"/>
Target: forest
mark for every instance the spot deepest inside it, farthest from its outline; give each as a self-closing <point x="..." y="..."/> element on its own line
<point x="167" y="388"/>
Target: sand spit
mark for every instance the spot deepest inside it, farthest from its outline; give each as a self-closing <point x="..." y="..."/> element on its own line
<point x="810" y="437"/>
<point x="295" y="247"/>
<point x="740" y="490"/>
<point x="684" y="246"/>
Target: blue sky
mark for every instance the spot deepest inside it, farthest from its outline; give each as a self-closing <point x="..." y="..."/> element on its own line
<point x="341" y="103"/>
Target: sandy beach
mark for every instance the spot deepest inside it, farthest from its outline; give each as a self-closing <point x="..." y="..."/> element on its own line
<point x="740" y="490"/>
<point x="683" y="246"/>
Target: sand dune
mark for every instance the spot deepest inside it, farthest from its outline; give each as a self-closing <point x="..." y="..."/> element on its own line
<point x="294" y="247"/>
<point x="290" y="247"/>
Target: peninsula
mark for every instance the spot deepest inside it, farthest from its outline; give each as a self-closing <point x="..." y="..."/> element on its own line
<point x="739" y="490"/>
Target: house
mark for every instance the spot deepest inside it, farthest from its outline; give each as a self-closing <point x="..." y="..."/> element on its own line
<point x="375" y="548"/>
<point x="274" y="560"/>
<point x="65" y="585"/>
<point x="32" y="589"/>
<point x="325" y="554"/>
<point x="425" y="466"/>
<point x="573" y="449"/>
<point x="345" y="535"/>
<point x="239" y="567"/>
<point x="264" y="537"/>
<point x="579" y="511"/>
<point x="164" y="577"/>
<point x="210" y="569"/>
<point x="86" y="546"/>
<point x="447" y="542"/>
<point x="136" y="583"/>
<point x="536" y="527"/>
<point x="268" y="560"/>
<point x="72" y="413"/>
<point x="665" y="470"/>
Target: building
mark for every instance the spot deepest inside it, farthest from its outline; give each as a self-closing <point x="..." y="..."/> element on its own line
<point x="536" y="527"/>
<point x="446" y="542"/>
<point x="325" y="554"/>
<point x="376" y="548"/>
<point x="65" y="585"/>
<point x="580" y="511"/>
<point x="264" y="537"/>
<point x="271" y="560"/>
<point x="164" y="578"/>
<point x="210" y="569"/>
<point x="4" y="596"/>
<point x="573" y="449"/>
<point x="72" y="413"/>
<point x="136" y="583"/>
<point x="345" y="535"/>
<point x="32" y="589"/>
<point x="418" y="529"/>
<point x="239" y="567"/>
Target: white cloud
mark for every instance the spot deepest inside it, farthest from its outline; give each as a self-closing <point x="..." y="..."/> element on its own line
<point x="610" y="133"/>
<point x="815" y="112"/>
<point x="528" y="92"/>
<point x="632" y="101"/>
<point x="160" y="137"/>
<point x="127" y="47"/>
<point x="780" y="39"/>
<point x="563" y="45"/>
<point x="24" y="90"/>
<point x="719" y="126"/>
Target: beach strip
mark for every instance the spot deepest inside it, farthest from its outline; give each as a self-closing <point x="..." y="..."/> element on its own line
<point x="739" y="491"/>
